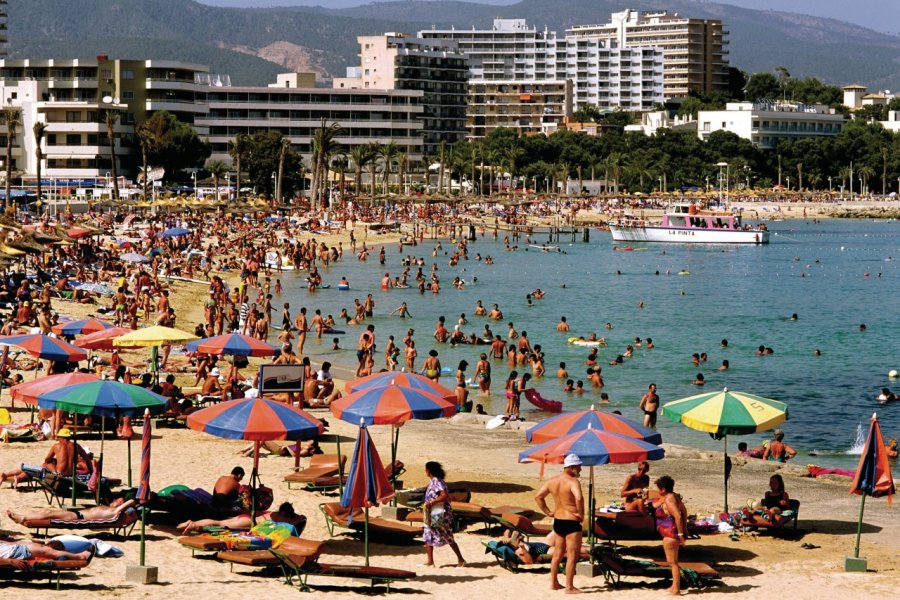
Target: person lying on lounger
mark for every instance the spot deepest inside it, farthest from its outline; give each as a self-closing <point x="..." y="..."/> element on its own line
<point x="58" y="459"/>
<point x="284" y="514"/>
<point x="530" y="552"/>
<point x="14" y="554"/>
<point x="96" y="513"/>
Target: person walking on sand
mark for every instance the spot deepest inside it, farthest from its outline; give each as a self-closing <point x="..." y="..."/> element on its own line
<point x="568" y="517"/>
<point x="438" y="515"/>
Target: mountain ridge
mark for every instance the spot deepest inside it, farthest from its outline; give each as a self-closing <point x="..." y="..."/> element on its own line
<point x="253" y="44"/>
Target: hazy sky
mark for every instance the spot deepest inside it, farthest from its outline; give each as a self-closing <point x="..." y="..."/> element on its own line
<point x="881" y="15"/>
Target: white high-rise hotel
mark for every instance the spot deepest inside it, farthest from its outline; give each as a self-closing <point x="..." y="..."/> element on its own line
<point x="632" y="63"/>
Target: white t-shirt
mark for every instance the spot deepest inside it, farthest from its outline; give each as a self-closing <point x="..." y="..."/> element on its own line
<point x="323" y="376"/>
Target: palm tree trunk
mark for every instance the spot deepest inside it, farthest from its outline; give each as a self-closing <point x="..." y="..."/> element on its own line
<point x="111" y="134"/>
<point x="237" y="178"/>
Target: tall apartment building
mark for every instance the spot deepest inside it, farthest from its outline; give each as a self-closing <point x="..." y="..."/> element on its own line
<point x="510" y="50"/>
<point x="694" y="53"/>
<point x="530" y="107"/>
<point x="396" y="61"/>
<point x="4" y="39"/>
<point x="295" y="107"/>
<point x="597" y="72"/>
<point x="628" y="79"/>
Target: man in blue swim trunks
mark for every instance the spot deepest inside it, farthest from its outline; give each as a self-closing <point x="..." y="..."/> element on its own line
<point x="568" y="519"/>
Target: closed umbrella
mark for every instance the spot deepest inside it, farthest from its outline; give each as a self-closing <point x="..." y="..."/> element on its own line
<point x="873" y="478"/>
<point x="727" y="413"/>
<point x="143" y="493"/>
<point x="257" y="420"/>
<point x="367" y="482"/>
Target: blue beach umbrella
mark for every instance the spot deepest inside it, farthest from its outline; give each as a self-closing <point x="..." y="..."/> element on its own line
<point x="367" y="482"/>
<point x="873" y="474"/>
<point x="82" y="326"/>
<point x="233" y="344"/>
<point x="571" y="422"/>
<point x="175" y="232"/>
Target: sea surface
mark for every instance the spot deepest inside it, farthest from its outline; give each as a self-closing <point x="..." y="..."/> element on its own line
<point x="834" y="274"/>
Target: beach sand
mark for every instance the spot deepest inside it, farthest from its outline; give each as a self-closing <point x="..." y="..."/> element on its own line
<point x="754" y="566"/>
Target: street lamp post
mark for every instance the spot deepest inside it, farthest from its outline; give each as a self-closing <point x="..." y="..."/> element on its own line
<point x="228" y="185"/>
<point x="720" y="165"/>
<point x="829" y="184"/>
<point x="788" y="182"/>
<point x="194" y="177"/>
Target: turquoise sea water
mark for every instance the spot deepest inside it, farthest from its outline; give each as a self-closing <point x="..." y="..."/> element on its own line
<point x="744" y="294"/>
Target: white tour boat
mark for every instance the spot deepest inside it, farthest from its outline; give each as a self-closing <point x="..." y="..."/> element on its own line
<point x="689" y="224"/>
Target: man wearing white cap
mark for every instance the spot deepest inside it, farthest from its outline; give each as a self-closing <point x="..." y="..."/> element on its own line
<point x="568" y="519"/>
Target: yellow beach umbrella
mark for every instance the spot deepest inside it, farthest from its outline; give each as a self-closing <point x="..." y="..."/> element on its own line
<point x="154" y="336"/>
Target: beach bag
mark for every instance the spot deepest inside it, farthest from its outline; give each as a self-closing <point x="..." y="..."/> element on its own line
<point x="436" y="517"/>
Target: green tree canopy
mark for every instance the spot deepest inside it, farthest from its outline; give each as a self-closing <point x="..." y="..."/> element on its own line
<point x="261" y="163"/>
<point x="176" y="145"/>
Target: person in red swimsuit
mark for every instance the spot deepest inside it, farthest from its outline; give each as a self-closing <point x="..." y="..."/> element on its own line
<point x="671" y="523"/>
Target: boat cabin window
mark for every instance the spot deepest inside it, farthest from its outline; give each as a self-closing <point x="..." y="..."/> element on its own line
<point x="676" y="221"/>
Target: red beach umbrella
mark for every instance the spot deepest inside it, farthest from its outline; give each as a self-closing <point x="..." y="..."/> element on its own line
<point x="103" y="340"/>
<point x="873" y="478"/>
<point x="409" y="380"/>
<point x="29" y="391"/>
<point x="46" y="347"/>
<point x="83" y="326"/>
<point x="566" y="423"/>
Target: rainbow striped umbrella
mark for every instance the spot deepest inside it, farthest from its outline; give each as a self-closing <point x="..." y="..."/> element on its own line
<point x="83" y="326"/>
<point x="257" y="420"/>
<point x="727" y="413"/>
<point x="367" y="482"/>
<point x="566" y="423"/>
<point x="408" y="380"/>
<point x="234" y="344"/>
<point x="103" y="398"/>
<point x="46" y="347"/>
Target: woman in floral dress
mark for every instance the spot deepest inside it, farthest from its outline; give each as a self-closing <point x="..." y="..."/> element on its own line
<point x="439" y="529"/>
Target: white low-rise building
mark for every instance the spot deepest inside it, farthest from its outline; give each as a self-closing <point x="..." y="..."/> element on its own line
<point x="893" y="122"/>
<point x="765" y="123"/>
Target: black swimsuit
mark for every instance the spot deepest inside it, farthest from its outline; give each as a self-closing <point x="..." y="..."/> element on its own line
<point x="564" y="527"/>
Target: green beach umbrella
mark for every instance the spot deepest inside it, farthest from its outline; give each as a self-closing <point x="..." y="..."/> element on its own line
<point x="103" y="399"/>
<point x="727" y="413"/>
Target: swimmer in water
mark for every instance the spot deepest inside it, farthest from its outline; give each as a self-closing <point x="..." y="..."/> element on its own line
<point x="794" y="317"/>
<point x="725" y="366"/>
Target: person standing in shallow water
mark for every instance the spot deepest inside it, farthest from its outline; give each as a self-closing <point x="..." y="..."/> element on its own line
<point x="650" y="406"/>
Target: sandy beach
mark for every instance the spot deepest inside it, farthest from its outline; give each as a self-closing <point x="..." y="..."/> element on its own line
<point x="753" y="566"/>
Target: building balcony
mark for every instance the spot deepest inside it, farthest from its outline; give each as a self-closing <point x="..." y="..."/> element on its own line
<point x="182" y="85"/>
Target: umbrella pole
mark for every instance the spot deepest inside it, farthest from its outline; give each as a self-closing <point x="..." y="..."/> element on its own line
<point x="100" y="463"/>
<point x="74" y="462"/>
<point x="591" y="515"/>
<point x="395" y="438"/>
<point x="725" y="465"/>
<point x="862" y="508"/>
<point x="254" y="482"/>
<point x="366" y="541"/>
<point x="337" y="439"/>
<point x="129" y="462"/>
<point x="154" y="354"/>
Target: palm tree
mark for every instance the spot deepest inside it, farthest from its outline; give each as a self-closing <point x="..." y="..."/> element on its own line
<point x="282" y="153"/>
<point x="799" y="177"/>
<point x="388" y="155"/>
<point x="325" y="145"/>
<point x="639" y="165"/>
<point x="39" y="129"/>
<point x="147" y="141"/>
<point x="402" y="168"/>
<point x="844" y="173"/>
<point x="237" y="148"/>
<point x="340" y="164"/>
<point x="111" y="116"/>
<point x="511" y="156"/>
<point x="865" y="172"/>
<point x="613" y="164"/>
<point x="217" y="169"/>
<point x="442" y="157"/>
<point x="11" y="116"/>
<point x="374" y="153"/>
<point x="360" y="157"/>
<point x="561" y="174"/>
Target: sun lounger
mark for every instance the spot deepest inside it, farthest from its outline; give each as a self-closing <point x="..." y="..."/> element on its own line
<point x="387" y="531"/>
<point x="463" y="513"/>
<point x="625" y="525"/>
<point x="45" y="568"/>
<point x="121" y="526"/>
<point x="295" y="546"/>
<point x="508" y="559"/>
<point x="304" y="566"/>
<point x="58" y="487"/>
<point x="614" y="566"/>
<point x="326" y="484"/>
<point x="320" y="465"/>
<point x="756" y="521"/>
<point x="522" y="524"/>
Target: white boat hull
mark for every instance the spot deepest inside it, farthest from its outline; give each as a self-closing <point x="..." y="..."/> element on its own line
<point x="685" y="235"/>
